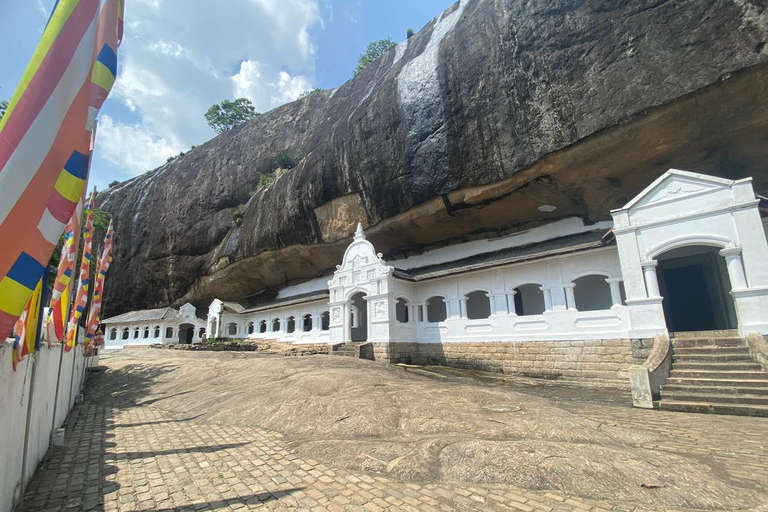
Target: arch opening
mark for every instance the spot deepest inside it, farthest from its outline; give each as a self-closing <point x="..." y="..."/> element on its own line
<point x="695" y="285"/>
<point x="529" y="300"/>
<point x="306" y="323"/>
<point x="592" y="293"/>
<point x="325" y="321"/>
<point x="436" y="309"/>
<point x="478" y="305"/>
<point x="186" y="333"/>
<point x="290" y="326"/>
<point x="359" y="317"/>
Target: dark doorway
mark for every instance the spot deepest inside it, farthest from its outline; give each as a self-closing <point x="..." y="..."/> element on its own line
<point x="186" y="333"/>
<point x="695" y="285"/>
<point x="359" y="317"/>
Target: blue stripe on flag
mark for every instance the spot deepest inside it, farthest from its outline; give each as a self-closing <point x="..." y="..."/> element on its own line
<point x="26" y="271"/>
<point x="108" y="57"/>
<point x="77" y="165"/>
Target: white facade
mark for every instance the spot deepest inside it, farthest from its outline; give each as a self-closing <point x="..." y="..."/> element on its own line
<point x="167" y="326"/>
<point x="306" y="322"/>
<point x="690" y="251"/>
<point x="686" y="213"/>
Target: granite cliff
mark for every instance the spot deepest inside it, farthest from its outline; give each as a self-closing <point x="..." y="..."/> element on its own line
<point x="492" y="110"/>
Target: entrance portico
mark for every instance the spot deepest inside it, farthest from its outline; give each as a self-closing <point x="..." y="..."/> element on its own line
<point x="682" y="216"/>
<point x="361" y="294"/>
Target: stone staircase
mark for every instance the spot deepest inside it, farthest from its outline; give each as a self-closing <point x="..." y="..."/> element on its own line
<point x="358" y="349"/>
<point x="714" y="372"/>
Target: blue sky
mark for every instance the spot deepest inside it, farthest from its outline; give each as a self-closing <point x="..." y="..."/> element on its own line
<point x="181" y="56"/>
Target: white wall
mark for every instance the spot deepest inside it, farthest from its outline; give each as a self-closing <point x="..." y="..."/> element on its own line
<point x="316" y="335"/>
<point x="14" y="402"/>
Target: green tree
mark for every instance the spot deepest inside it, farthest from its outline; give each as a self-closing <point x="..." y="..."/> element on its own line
<point x="286" y="160"/>
<point x="3" y="108"/>
<point x="309" y="93"/>
<point x="228" y="114"/>
<point x="409" y="33"/>
<point x="374" y="50"/>
<point x="113" y="183"/>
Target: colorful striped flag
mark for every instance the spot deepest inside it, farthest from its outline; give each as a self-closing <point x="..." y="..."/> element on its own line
<point x="63" y="285"/>
<point x="44" y="138"/>
<point x="94" y="317"/>
<point x="25" y="338"/>
<point x="81" y="299"/>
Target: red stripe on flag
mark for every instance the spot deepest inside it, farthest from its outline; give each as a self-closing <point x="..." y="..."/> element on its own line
<point x="47" y="77"/>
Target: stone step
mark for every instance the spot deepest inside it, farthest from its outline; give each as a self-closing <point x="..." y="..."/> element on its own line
<point x="711" y="358"/>
<point x="718" y="333"/>
<point x="719" y="367"/>
<point x="731" y="388"/>
<point x="714" y="408"/>
<point x="703" y="342"/>
<point x="720" y="398"/>
<point x="719" y="375"/>
<point x="711" y="349"/>
<point x="718" y="383"/>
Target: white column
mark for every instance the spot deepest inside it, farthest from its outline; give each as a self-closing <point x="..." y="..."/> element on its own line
<point x="735" y="266"/>
<point x="463" y="308"/>
<point x="651" y="280"/>
<point x="615" y="290"/>
<point x="422" y="313"/>
<point x="547" y="298"/>
<point x="511" y="303"/>
<point x="570" y="298"/>
<point x="412" y="313"/>
<point x="347" y="322"/>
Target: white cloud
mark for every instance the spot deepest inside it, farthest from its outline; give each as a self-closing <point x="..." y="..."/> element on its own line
<point x="176" y="61"/>
<point x="290" y="88"/>
<point x="133" y="148"/>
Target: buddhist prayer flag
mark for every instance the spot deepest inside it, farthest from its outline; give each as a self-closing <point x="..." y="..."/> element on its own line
<point x="25" y="332"/>
<point x="83" y="285"/>
<point x="62" y="287"/>
<point x="94" y="317"/>
<point x="44" y="138"/>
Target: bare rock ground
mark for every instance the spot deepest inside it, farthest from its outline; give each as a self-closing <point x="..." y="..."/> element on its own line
<point x="442" y="425"/>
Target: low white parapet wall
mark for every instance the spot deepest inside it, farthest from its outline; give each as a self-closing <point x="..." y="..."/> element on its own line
<point x="17" y="392"/>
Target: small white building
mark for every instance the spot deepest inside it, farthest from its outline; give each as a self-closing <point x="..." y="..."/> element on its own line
<point x="149" y="326"/>
<point x="689" y="253"/>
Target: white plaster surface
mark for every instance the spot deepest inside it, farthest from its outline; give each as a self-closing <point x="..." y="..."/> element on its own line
<point x="14" y="401"/>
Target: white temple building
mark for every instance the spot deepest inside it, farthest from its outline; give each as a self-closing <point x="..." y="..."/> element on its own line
<point x="150" y="326"/>
<point x="688" y="253"/>
<point x="564" y="300"/>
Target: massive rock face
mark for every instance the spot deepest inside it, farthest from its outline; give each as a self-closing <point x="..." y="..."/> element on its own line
<point x="492" y="110"/>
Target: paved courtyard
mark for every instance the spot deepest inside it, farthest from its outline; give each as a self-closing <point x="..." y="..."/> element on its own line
<point x="178" y="431"/>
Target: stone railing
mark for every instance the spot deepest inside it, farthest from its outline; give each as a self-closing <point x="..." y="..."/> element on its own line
<point x="646" y="379"/>
<point x="758" y="347"/>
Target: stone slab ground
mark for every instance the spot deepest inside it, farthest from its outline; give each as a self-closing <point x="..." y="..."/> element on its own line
<point x="186" y="431"/>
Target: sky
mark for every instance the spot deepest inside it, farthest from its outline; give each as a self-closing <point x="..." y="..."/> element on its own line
<point x="179" y="57"/>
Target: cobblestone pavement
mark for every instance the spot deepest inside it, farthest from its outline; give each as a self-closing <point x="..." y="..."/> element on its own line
<point x="141" y="458"/>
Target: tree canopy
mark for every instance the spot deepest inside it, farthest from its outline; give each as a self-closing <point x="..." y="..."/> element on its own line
<point x="228" y="114"/>
<point x="374" y="50"/>
<point x="3" y="108"/>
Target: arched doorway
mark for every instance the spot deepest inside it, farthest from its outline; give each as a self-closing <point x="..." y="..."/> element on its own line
<point x="694" y="283"/>
<point x="186" y="333"/>
<point x="359" y="317"/>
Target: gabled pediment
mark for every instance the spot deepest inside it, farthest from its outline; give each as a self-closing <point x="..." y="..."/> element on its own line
<point x="676" y="185"/>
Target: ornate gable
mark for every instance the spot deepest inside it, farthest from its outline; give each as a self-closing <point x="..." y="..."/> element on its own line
<point x="676" y="185"/>
<point x="362" y="268"/>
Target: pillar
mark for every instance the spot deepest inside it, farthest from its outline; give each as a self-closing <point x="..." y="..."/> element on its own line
<point x="463" y="308"/>
<point x="735" y="266"/>
<point x="615" y="290"/>
<point x="570" y="298"/>
<point x="651" y="280"/>
<point x="347" y="322"/>
<point x="547" y="298"/>
<point x="511" y="303"/>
